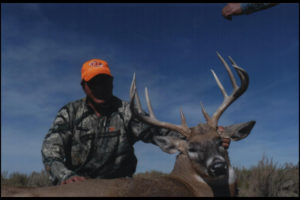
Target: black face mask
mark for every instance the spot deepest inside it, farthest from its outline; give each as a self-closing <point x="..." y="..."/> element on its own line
<point x="101" y="86"/>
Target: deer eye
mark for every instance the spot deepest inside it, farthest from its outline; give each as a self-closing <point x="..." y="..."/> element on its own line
<point x="196" y="148"/>
<point x="193" y="148"/>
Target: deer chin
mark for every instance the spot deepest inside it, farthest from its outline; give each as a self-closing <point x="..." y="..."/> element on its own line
<point x="200" y="169"/>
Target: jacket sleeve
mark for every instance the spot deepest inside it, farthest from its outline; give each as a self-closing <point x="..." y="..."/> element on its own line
<point x="55" y="146"/>
<point x="249" y="8"/>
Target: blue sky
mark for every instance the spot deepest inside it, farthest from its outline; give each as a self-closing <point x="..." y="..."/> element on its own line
<point x="172" y="48"/>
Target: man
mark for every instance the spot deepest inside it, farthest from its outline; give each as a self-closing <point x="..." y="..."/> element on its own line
<point x="93" y="137"/>
<point x="244" y="8"/>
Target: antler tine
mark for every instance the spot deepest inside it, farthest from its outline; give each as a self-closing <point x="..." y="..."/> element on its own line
<point x="237" y="91"/>
<point x="219" y="84"/>
<point x="149" y="104"/>
<point x="183" y="129"/>
<point x="183" y="120"/>
<point x="206" y="116"/>
<point x="134" y="96"/>
<point x="235" y="86"/>
<point x="243" y="76"/>
<point x="151" y="113"/>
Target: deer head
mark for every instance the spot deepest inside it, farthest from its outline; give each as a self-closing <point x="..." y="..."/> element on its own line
<point x="202" y="143"/>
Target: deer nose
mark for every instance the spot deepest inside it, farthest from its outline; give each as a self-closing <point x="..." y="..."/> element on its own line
<point x="217" y="168"/>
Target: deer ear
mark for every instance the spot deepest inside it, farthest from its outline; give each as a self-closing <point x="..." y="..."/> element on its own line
<point x="170" y="144"/>
<point x="239" y="131"/>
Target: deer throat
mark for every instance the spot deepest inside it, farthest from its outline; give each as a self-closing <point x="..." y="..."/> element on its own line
<point x="185" y="173"/>
<point x="198" y="181"/>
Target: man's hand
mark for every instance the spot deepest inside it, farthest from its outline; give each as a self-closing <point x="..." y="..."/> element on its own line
<point x="225" y="141"/>
<point x="73" y="179"/>
<point x="231" y="9"/>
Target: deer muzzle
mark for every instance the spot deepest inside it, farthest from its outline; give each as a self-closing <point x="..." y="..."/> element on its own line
<point x="218" y="167"/>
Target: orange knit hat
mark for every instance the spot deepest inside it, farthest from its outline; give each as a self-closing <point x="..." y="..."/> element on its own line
<point x="93" y="67"/>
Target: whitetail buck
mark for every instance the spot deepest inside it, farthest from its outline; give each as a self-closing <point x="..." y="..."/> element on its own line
<point x="202" y="167"/>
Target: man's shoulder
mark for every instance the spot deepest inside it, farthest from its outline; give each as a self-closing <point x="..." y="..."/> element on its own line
<point x="74" y="104"/>
<point x="81" y="101"/>
<point x="80" y="105"/>
<point x="123" y="107"/>
<point x="120" y="103"/>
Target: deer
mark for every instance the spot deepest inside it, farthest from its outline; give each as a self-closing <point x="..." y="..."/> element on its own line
<point x="202" y="167"/>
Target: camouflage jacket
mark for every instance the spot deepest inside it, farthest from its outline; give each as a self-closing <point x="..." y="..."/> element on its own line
<point x="249" y="8"/>
<point x="80" y="143"/>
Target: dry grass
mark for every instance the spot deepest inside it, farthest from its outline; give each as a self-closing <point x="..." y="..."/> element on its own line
<point x="266" y="179"/>
<point x="35" y="179"/>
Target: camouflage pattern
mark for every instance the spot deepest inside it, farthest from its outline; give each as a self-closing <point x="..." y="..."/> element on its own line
<point x="80" y="143"/>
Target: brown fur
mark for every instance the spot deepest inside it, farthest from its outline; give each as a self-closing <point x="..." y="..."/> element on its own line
<point x="123" y="187"/>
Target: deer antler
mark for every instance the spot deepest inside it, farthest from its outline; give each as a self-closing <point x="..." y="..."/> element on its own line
<point x="237" y="91"/>
<point x="151" y="119"/>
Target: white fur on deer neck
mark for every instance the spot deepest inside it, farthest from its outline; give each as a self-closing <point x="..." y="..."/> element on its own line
<point x="199" y="178"/>
<point x="231" y="176"/>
